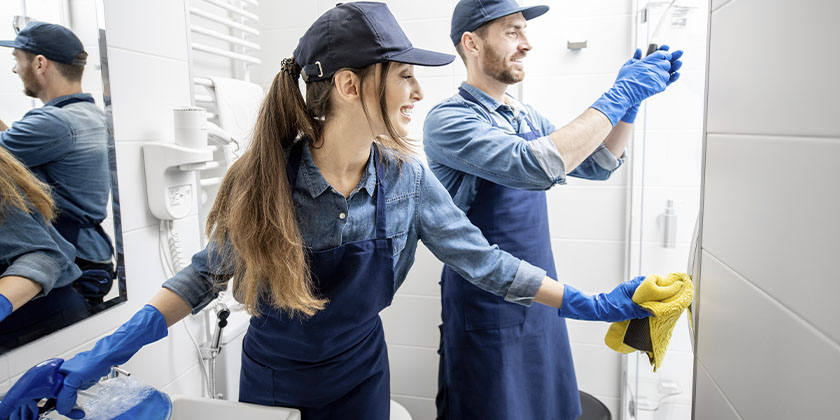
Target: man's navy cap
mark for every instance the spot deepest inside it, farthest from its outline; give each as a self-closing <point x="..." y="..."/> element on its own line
<point x="55" y="42"/>
<point x="356" y="35"/>
<point x="470" y="14"/>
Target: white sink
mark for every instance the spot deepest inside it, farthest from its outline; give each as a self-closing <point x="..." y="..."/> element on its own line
<point x="187" y="408"/>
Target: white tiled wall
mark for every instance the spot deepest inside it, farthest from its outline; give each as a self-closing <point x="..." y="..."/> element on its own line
<point x="768" y="344"/>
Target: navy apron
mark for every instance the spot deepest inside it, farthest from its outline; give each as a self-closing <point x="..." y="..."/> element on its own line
<point x="333" y="365"/>
<point x="500" y="360"/>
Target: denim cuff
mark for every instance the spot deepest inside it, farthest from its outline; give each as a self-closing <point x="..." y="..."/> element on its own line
<point x="38" y="267"/>
<point x="605" y="159"/>
<point x="526" y="282"/>
<point x="549" y="159"/>
<point x="191" y="286"/>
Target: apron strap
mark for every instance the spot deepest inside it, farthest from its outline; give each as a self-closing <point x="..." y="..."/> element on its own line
<point x="293" y="166"/>
<point x="468" y="96"/>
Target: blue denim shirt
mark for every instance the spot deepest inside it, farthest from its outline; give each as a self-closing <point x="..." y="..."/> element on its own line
<point x="463" y="147"/>
<point x="418" y="208"/>
<point x="31" y="248"/>
<point x="68" y="149"/>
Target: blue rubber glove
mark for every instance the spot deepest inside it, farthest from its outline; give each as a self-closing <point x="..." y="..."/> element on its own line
<point x="5" y="309"/>
<point x="636" y="81"/>
<point x="86" y="368"/>
<point x="40" y="381"/>
<point x="630" y="116"/>
<point x="614" y="306"/>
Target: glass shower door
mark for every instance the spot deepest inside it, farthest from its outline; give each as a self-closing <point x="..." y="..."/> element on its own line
<point x="666" y="157"/>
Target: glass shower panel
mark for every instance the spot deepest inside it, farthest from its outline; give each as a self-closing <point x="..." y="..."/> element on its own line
<point x="666" y="156"/>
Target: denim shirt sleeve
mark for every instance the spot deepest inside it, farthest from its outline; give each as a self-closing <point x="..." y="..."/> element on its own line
<point x="201" y="281"/>
<point x="454" y="240"/>
<point x="598" y="166"/>
<point x="460" y="135"/>
<point x="39" y="137"/>
<point x="29" y="249"/>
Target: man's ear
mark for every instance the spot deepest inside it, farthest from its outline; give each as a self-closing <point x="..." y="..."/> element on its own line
<point x="40" y="64"/>
<point x="346" y="85"/>
<point x="470" y="43"/>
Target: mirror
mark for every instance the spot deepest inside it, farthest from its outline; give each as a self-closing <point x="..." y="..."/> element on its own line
<point x="81" y="173"/>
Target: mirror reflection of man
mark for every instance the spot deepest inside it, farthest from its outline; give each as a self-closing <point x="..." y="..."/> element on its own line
<point x="65" y="144"/>
<point x="497" y="156"/>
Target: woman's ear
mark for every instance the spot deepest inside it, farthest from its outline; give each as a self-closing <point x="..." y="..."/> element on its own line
<point x="346" y="85"/>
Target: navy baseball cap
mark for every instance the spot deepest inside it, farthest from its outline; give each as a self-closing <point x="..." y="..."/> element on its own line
<point x="356" y="35"/>
<point x="470" y="14"/>
<point x="55" y="42"/>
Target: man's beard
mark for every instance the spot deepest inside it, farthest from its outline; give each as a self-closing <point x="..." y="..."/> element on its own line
<point x="31" y="87"/>
<point x="494" y="65"/>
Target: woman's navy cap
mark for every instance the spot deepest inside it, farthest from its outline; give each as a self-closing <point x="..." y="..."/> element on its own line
<point x="55" y="42"/>
<point x="470" y="14"/>
<point x="356" y="35"/>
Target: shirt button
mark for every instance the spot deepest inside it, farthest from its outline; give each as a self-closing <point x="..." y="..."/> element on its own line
<point x="342" y="216"/>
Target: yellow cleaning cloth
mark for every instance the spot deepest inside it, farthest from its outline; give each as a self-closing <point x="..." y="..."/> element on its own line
<point x="665" y="298"/>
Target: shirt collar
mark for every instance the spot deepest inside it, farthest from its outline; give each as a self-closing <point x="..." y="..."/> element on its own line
<point x="311" y="179"/>
<point x="491" y="103"/>
<point x="80" y="95"/>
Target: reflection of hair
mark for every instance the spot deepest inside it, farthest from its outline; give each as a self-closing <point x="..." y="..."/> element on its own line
<point x="71" y="72"/>
<point x="254" y="210"/>
<point x="19" y="188"/>
<point x="481" y="31"/>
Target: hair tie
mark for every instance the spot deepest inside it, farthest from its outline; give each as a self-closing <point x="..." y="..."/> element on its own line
<point x="290" y="66"/>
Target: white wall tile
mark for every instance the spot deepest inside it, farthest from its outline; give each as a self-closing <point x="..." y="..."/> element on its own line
<point x="586" y="213"/>
<point x="561" y="99"/>
<point x="129" y="26"/>
<point x="590" y="266"/>
<point x="190" y="383"/>
<point x="796" y="226"/>
<point x="4" y="368"/>
<point x="760" y="97"/>
<point x="582" y="9"/>
<point x="424" y="277"/>
<point x="709" y="400"/>
<point x="419" y="408"/>
<point x="134" y="208"/>
<point x="686" y="208"/>
<point x="14" y="105"/>
<point x="598" y="369"/>
<point x="743" y="332"/>
<point x="142" y="106"/>
<point x="587" y="332"/>
<point x="407" y="11"/>
<point x="413" y="371"/>
<point x="676" y="368"/>
<point x="276" y="44"/>
<point x="608" y="45"/>
<point x="284" y="14"/>
<point x="672" y="158"/>
<point x="680" y="106"/>
<point x="412" y="321"/>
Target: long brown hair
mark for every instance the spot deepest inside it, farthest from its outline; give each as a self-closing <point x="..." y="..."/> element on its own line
<point x="254" y="210"/>
<point x="21" y="190"/>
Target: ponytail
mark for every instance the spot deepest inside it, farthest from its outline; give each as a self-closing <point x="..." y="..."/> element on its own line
<point x="254" y="211"/>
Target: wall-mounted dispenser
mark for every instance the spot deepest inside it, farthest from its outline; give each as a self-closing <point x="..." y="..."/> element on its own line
<point x="669" y="225"/>
<point x="170" y="168"/>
